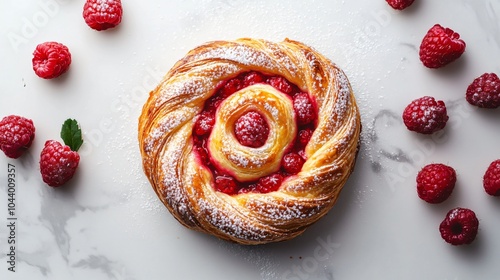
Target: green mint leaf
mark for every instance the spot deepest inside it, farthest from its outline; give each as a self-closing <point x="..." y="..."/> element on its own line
<point x="71" y="134"/>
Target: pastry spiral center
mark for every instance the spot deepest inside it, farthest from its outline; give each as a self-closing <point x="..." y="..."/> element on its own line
<point x="237" y="159"/>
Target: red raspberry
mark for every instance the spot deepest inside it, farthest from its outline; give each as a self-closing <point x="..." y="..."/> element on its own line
<point x="440" y="46"/>
<point x="58" y="163"/>
<point x="16" y="135"/>
<point x="280" y="84"/>
<point x="251" y="130"/>
<point x="252" y="78"/>
<point x="226" y="184"/>
<point x="304" y="109"/>
<point x="269" y="183"/>
<point x="435" y="182"/>
<point x="459" y="227"/>
<point x="102" y="14"/>
<point x="425" y="115"/>
<point x="51" y="60"/>
<point x="491" y="179"/>
<point x="230" y="87"/>
<point x="400" y="4"/>
<point x="292" y="163"/>
<point x="304" y="137"/>
<point x="204" y="124"/>
<point x="484" y="91"/>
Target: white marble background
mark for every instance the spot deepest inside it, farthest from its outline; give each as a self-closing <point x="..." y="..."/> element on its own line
<point x="108" y="224"/>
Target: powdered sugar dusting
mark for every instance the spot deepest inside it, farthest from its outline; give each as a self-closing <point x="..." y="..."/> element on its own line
<point x="343" y="95"/>
<point x="273" y="110"/>
<point x="166" y="126"/>
<point x="171" y="165"/>
<point x="285" y="210"/>
<point x="241" y="54"/>
<point x="228" y="219"/>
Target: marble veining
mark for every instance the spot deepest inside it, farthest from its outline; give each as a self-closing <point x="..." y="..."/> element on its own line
<point x="108" y="224"/>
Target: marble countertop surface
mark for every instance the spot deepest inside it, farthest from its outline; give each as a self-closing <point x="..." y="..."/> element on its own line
<point x="109" y="224"/>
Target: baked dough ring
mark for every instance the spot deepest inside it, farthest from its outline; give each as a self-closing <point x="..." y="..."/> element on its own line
<point x="185" y="186"/>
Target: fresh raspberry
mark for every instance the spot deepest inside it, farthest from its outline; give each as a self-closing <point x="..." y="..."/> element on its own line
<point x="400" y="4"/>
<point x="435" y="182"/>
<point x="280" y="84"/>
<point x="269" y="183"/>
<point x="16" y="135"/>
<point x="58" y="163"/>
<point x="440" y="46"/>
<point x="459" y="227"/>
<point x="425" y="115"/>
<point x="304" y="136"/>
<point x="226" y="184"/>
<point x="204" y="124"/>
<point x="292" y="163"/>
<point x="304" y="109"/>
<point x="491" y="179"/>
<point x="230" y="87"/>
<point x="102" y="14"/>
<point x="484" y="91"/>
<point x="251" y="129"/>
<point x="252" y="78"/>
<point x="51" y="60"/>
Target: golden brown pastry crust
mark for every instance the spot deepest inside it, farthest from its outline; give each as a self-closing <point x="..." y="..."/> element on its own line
<point x="185" y="187"/>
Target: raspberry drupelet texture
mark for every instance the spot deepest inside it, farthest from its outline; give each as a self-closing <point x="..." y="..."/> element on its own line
<point x="440" y="46"/>
<point x="459" y="227"/>
<point x="306" y="113"/>
<point x="102" y="14"/>
<point x="204" y="124"/>
<point x="435" y="182"/>
<point x="491" y="179"/>
<point x="292" y="163"/>
<point x="58" y="163"/>
<point x="16" y="135"/>
<point x="281" y="84"/>
<point x="484" y="91"/>
<point x="425" y="115"/>
<point x="400" y="4"/>
<point x="51" y="60"/>
<point x="269" y="183"/>
<point x="251" y="130"/>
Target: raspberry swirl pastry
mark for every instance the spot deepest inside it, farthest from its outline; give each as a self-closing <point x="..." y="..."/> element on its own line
<point x="250" y="140"/>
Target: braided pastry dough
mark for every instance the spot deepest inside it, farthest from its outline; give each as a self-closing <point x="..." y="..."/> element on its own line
<point x="186" y="187"/>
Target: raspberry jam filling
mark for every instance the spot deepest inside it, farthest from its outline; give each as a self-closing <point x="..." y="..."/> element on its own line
<point x="252" y="130"/>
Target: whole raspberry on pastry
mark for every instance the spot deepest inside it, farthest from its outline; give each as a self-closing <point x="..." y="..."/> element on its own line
<point x="250" y="140"/>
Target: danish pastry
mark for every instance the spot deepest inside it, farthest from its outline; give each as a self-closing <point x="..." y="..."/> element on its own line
<point x="250" y="140"/>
